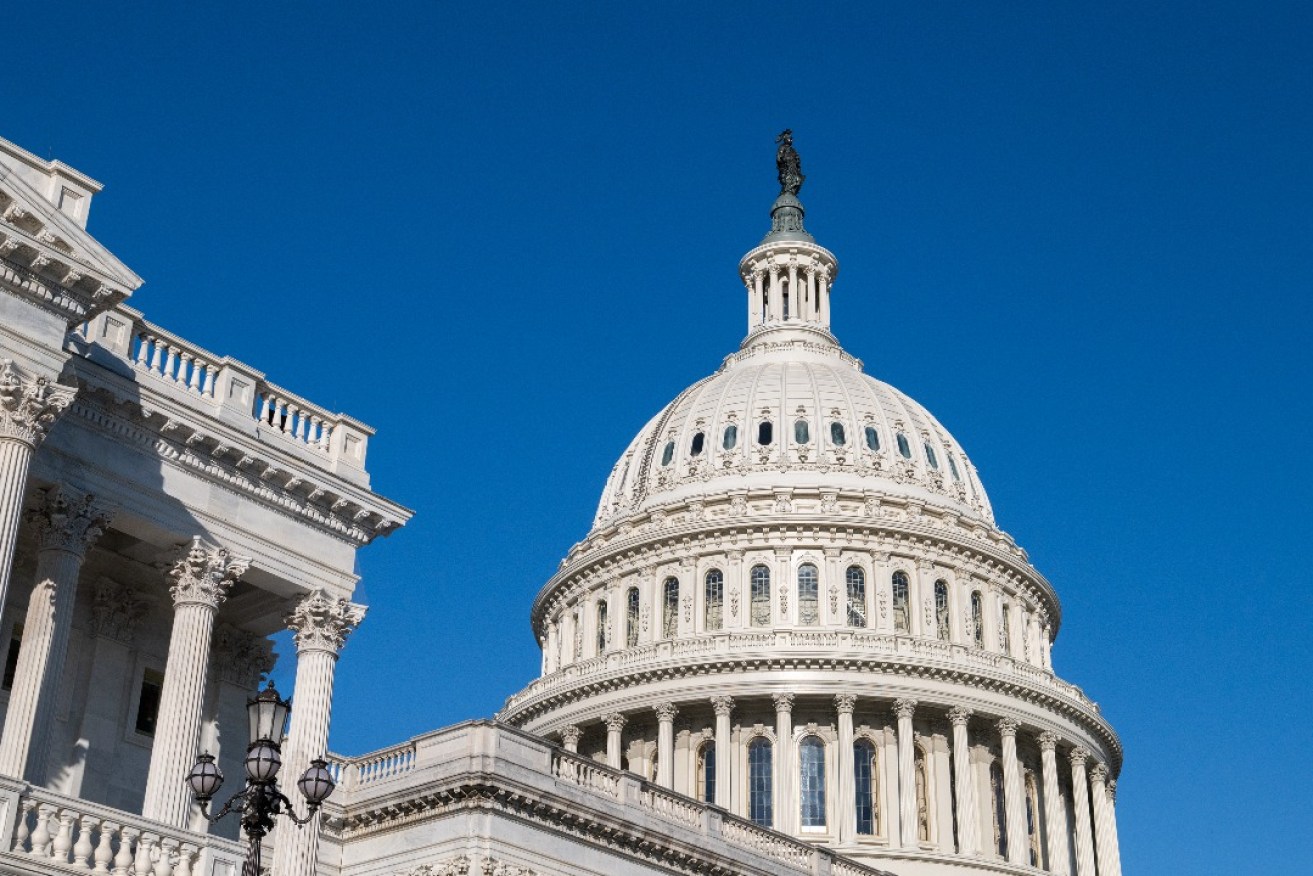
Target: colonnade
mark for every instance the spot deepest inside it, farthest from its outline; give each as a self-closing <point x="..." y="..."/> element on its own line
<point x="1085" y="833"/>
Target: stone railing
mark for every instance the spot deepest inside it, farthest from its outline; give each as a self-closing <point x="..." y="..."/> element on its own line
<point x="377" y="766"/>
<point x="670" y="806"/>
<point x="222" y="387"/>
<point x="77" y="836"/>
<point x="575" y="770"/>
<point x="773" y="845"/>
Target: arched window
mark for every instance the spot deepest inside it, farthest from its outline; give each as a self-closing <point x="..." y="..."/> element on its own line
<point x="706" y="779"/>
<point x="903" y="447"/>
<point x="941" y="610"/>
<point x="977" y="619"/>
<point x="765" y="432"/>
<point x="695" y="447"/>
<point x="759" y="782"/>
<point x="922" y="777"/>
<point x="952" y="467"/>
<point x="837" y="437"/>
<point x="902" y="604"/>
<point x="760" y="596"/>
<point x="801" y="432"/>
<point x="999" y="809"/>
<point x="668" y="453"/>
<point x="1005" y="628"/>
<point x="809" y="595"/>
<point x="856" y="596"/>
<point x="731" y="437"/>
<point x="811" y="783"/>
<point x="866" y="779"/>
<point x="603" y="629"/>
<point x="872" y="438"/>
<point x="930" y="456"/>
<point x="1032" y="818"/>
<point x="715" y="600"/>
<point x="631" y="617"/>
<point x="670" y="608"/>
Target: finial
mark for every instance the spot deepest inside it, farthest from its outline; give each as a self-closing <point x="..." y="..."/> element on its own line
<point x="789" y="164"/>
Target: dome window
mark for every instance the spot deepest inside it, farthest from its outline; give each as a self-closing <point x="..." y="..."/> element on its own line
<point x="695" y="449"/>
<point x="952" y="466"/>
<point x="872" y="438"/>
<point x="837" y="437"/>
<point x="668" y="454"/>
<point x="903" y="447"/>
<point x="930" y="456"/>
<point x="765" y="432"/>
<point x="801" y="432"/>
<point x="731" y="437"/>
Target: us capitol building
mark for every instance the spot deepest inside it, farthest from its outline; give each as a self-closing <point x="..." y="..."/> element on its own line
<point x="793" y="642"/>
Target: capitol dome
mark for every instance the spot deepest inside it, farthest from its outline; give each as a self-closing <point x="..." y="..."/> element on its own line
<point x="794" y="604"/>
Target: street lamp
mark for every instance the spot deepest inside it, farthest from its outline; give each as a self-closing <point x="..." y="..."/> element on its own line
<point x="261" y="801"/>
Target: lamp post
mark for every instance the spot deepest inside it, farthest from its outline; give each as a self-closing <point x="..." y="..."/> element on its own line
<point x="261" y="801"/>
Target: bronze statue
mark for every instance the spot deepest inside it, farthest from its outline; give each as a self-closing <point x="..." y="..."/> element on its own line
<point x="789" y="164"/>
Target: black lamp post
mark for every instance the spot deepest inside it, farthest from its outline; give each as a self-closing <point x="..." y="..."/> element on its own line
<point x="261" y="801"/>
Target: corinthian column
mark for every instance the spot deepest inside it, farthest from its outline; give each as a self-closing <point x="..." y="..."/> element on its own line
<point x="1055" y="819"/>
<point x="200" y="585"/>
<point x="1103" y="842"/>
<point x="65" y="525"/>
<point x="968" y="821"/>
<point x="1013" y="799"/>
<point x="29" y="406"/>
<point x="320" y="626"/>
<point x="786" y="804"/>
<point x="723" y="706"/>
<point x="666" y="744"/>
<point x="615" y="725"/>
<point x="844" y="705"/>
<point x="1112" y="827"/>
<point x="1080" y="793"/>
<point x="903" y="710"/>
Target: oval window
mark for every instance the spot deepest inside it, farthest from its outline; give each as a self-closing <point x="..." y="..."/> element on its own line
<point x="872" y="438"/>
<point x="765" y="432"/>
<point x="696" y="447"/>
<point x="731" y="437"/>
<point x="801" y="433"/>
<point x="668" y="454"/>
<point x="930" y="456"/>
<point x="903" y="447"/>
<point x="836" y="434"/>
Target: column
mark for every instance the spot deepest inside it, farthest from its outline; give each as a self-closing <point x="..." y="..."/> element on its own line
<point x="29" y="406"/>
<point x="1014" y="801"/>
<point x="665" y="713"/>
<point x="847" y="808"/>
<point x="1046" y="646"/>
<point x="66" y="524"/>
<point x="615" y="723"/>
<point x="570" y="737"/>
<point x="903" y="710"/>
<point x="1080" y="793"/>
<point x="320" y="625"/>
<point x="1112" y="827"/>
<point x="1055" y="819"/>
<point x="200" y="584"/>
<point x="723" y="706"/>
<point x="1102" y="817"/>
<point x="784" y="800"/>
<point x="968" y="820"/>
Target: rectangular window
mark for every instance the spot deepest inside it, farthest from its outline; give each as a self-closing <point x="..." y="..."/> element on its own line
<point x="148" y="703"/>
<point x="11" y="658"/>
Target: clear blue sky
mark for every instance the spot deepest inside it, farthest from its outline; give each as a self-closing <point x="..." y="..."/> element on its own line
<point x="1079" y="233"/>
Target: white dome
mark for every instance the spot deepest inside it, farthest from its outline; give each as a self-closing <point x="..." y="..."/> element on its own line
<point x="860" y="436"/>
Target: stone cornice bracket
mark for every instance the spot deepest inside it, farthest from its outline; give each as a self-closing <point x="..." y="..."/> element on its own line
<point x="68" y="521"/>
<point x="959" y="715"/>
<point x="904" y="708"/>
<point x="29" y="403"/>
<point x="1008" y="726"/>
<point x="1048" y="741"/>
<point x="615" y="722"/>
<point x="845" y="703"/>
<point x="1078" y="756"/>
<point x="722" y="705"/>
<point x="204" y="574"/>
<point x="783" y="702"/>
<point x="666" y="711"/>
<point x="321" y="623"/>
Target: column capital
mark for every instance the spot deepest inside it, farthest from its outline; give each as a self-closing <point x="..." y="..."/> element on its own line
<point x="615" y="722"/>
<point x="1078" y="756"/>
<point x="903" y="708"/>
<point x="68" y="520"/>
<point x="783" y="702"/>
<point x="1048" y="741"/>
<point x="571" y="734"/>
<point x="240" y="657"/>
<point x="1098" y="773"/>
<point x="1008" y="727"/>
<point x="322" y="623"/>
<point x="666" y="711"/>
<point x="845" y="703"/>
<point x="1111" y="790"/>
<point x="722" y="705"/>
<point x="204" y="574"/>
<point x="29" y="403"/>
<point x="959" y="715"/>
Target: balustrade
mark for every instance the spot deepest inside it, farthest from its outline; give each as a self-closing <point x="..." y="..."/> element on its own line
<point x="585" y="774"/>
<point x="368" y="769"/>
<point x="767" y="842"/>
<point x="672" y="807"/>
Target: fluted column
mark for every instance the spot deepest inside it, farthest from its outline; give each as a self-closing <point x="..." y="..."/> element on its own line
<point x="785" y="805"/>
<point x="1103" y="843"/>
<point x="1080" y="793"/>
<point x="903" y="710"/>
<point x="200" y="584"/>
<point x="723" y="706"/>
<point x="665" y="713"/>
<point x="847" y="808"/>
<point x="66" y="525"/>
<point x="968" y="819"/>
<point x="320" y="625"/>
<point x="1055" y="819"/>
<point x="29" y="406"/>
<point x="615" y="724"/>
<point x="570" y="737"/>
<point x="1013" y="798"/>
<point x="1112" y="827"/>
